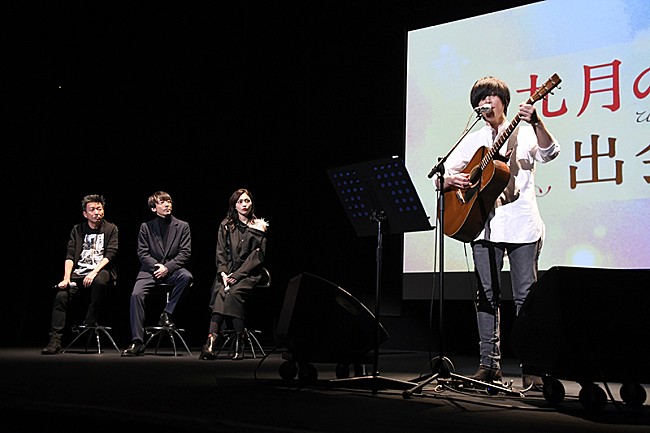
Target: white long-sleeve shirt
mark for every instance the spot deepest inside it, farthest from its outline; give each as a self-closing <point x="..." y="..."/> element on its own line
<point x="515" y="217"/>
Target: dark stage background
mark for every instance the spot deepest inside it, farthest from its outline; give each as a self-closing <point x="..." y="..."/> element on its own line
<point x="199" y="99"/>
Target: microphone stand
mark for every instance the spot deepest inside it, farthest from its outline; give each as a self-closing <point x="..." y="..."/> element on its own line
<point x="439" y="167"/>
<point x="442" y="366"/>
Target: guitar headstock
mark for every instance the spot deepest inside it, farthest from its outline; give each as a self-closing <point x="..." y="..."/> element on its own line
<point x="544" y="89"/>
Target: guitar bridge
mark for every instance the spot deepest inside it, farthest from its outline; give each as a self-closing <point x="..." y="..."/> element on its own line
<point x="459" y="196"/>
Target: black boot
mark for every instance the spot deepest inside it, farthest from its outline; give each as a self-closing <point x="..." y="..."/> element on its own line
<point x="487" y="375"/>
<point x="207" y="351"/>
<point x="54" y="346"/>
<point x="239" y="346"/>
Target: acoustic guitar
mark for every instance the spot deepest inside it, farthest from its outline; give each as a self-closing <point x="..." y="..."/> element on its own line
<point x="467" y="210"/>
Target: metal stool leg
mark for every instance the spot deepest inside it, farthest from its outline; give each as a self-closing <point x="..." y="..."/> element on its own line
<point x="249" y="336"/>
<point x="253" y="341"/>
<point x="92" y="330"/>
<point x="103" y="329"/>
<point x="84" y="331"/>
<point x="180" y="337"/>
<point x="157" y="332"/>
<point x="229" y="335"/>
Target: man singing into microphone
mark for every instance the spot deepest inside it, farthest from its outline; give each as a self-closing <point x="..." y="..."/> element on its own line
<point x="514" y="227"/>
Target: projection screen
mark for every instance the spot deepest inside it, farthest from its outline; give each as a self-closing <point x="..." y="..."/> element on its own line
<point x="595" y="197"/>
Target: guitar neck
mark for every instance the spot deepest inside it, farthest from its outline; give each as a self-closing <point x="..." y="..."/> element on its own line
<point x="501" y="139"/>
<point x="549" y="85"/>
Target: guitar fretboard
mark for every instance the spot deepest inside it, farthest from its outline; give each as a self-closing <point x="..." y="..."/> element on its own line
<point x="499" y="142"/>
<point x="544" y="89"/>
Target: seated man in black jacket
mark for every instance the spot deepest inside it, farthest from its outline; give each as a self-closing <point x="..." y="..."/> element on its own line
<point x="89" y="264"/>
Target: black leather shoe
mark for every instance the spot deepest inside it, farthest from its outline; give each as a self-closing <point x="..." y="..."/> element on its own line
<point x="165" y="320"/>
<point x="135" y="349"/>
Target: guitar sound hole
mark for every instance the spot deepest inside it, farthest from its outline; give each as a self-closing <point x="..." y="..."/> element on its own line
<point x="474" y="176"/>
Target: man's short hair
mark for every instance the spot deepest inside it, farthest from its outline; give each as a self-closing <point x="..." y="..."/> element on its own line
<point x="158" y="197"/>
<point x="487" y="86"/>
<point x="92" y="198"/>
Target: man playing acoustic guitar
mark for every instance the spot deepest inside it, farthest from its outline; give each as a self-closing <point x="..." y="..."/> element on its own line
<point x="508" y="224"/>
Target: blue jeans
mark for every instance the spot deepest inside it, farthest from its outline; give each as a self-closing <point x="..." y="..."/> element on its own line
<point x="488" y="263"/>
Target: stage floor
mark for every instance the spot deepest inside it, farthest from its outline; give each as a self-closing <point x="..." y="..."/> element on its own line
<point x="79" y="391"/>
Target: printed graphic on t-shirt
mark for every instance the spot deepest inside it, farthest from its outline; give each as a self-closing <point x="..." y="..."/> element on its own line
<point x="92" y="253"/>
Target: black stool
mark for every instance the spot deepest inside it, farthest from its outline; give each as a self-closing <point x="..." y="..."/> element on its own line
<point x="90" y="330"/>
<point x="250" y="340"/>
<point x="156" y="333"/>
<point x="95" y="330"/>
<point x="230" y="336"/>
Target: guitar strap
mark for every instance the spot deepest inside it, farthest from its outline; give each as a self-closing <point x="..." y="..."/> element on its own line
<point x="510" y="193"/>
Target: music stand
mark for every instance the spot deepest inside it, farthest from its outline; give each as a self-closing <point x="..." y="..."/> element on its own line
<point x="372" y="193"/>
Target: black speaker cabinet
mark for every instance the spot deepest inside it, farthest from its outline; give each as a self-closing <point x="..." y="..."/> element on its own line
<point x="321" y="322"/>
<point x="586" y="325"/>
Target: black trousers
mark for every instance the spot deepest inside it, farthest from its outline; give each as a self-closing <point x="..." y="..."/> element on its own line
<point x="64" y="298"/>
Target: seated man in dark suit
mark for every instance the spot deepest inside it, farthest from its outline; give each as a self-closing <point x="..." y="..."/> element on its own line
<point x="164" y="249"/>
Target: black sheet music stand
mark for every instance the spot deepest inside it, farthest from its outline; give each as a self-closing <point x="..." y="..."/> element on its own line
<point x="372" y="193"/>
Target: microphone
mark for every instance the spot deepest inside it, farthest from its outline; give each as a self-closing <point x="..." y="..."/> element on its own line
<point x="483" y="108"/>
<point x="72" y="284"/>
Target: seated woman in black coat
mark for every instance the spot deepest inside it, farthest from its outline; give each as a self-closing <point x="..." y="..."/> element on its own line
<point x="241" y="244"/>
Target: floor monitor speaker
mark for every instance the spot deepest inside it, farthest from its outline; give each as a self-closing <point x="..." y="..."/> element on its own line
<point x="586" y="324"/>
<point x="321" y="322"/>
